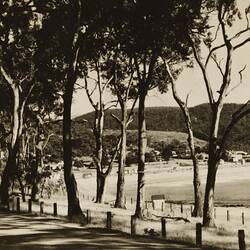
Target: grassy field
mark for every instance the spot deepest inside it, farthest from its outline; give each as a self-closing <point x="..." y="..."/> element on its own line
<point x="233" y="183"/>
<point x="175" y="181"/>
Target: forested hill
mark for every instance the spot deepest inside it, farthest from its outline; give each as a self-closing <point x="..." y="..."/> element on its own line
<point x="171" y="119"/>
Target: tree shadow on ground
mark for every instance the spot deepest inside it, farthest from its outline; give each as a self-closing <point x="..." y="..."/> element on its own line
<point x="28" y="233"/>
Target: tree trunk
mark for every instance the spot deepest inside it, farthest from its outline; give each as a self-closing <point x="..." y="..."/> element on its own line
<point x="22" y="188"/>
<point x="120" y="195"/>
<point x="74" y="208"/>
<point x="142" y="144"/>
<point x="197" y="212"/>
<point x="8" y="176"/>
<point x="98" y="132"/>
<point x="11" y="165"/>
<point x="208" y="209"/>
<point x="101" y="181"/>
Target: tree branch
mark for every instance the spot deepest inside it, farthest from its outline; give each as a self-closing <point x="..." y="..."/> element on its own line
<point x="204" y="73"/>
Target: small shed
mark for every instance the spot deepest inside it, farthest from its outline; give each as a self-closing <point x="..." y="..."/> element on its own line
<point x="158" y="201"/>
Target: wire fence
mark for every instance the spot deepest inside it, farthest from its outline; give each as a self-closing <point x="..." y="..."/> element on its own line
<point x="174" y="227"/>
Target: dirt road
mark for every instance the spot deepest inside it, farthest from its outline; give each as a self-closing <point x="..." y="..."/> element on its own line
<point x="31" y="232"/>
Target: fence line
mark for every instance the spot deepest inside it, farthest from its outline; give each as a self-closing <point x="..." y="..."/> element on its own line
<point x="15" y="206"/>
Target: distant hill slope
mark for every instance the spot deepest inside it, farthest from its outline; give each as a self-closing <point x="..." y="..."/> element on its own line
<point x="171" y="119"/>
<point x="160" y="136"/>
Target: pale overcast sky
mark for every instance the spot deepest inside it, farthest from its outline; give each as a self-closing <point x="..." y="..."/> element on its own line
<point x="191" y="81"/>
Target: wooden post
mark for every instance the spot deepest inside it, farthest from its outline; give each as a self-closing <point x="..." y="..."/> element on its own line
<point x="131" y="200"/>
<point x="215" y="213"/>
<point x="133" y="226"/>
<point x="228" y="215"/>
<point x="171" y="208"/>
<point x="162" y="206"/>
<point x="88" y="216"/>
<point x="18" y="205"/>
<point x="109" y="221"/>
<point x="198" y="235"/>
<point x="41" y="207"/>
<point x="30" y="206"/>
<point x="163" y="228"/>
<point x="241" y="237"/>
<point x="55" y="209"/>
<point x="191" y="210"/>
<point x="243" y="218"/>
<point x="125" y="200"/>
<point x="181" y="208"/>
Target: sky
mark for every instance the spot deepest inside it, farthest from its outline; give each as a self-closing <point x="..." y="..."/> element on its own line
<point x="191" y="82"/>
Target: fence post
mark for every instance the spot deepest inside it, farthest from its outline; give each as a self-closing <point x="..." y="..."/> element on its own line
<point x="125" y="200"/>
<point x="215" y="213"/>
<point x="88" y="216"/>
<point x="241" y="237"/>
<point x="198" y="235"/>
<point x="243" y="218"/>
<point x="55" y="209"/>
<point x="228" y="215"/>
<point x="131" y="200"/>
<point x="181" y="208"/>
<point x="191" y="210"/>
<point x="163" y="228"/>
<point x="109" y="221"/>
<point x="133" y="225"/>
<point x="18" y="205"/>
<point x="162" y="206"/>
<point x="41" y="207"/>
<point x="30" y="206"/>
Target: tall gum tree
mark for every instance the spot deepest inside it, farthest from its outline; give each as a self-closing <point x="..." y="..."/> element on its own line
<point x="155" y="29"/>
<point x="197" y="212"/>
<point x="227" y="41"/>
<point x="17" y="71"/>
<point x="74" y="208"/>
<point x="124" y="88"/>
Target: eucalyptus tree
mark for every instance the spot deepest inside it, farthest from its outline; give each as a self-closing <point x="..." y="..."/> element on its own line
<point x="97" y="84"/>
<point x="156" y="29"/>
<point x="124" y="87"/>
<point x="221" y="44"/>
<point x="197" y="211"/>
<point x="60" y="40"/>
<point x="18" y="46"/>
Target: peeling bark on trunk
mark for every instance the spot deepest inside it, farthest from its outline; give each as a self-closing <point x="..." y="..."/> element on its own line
<point x="142" y="144"/>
